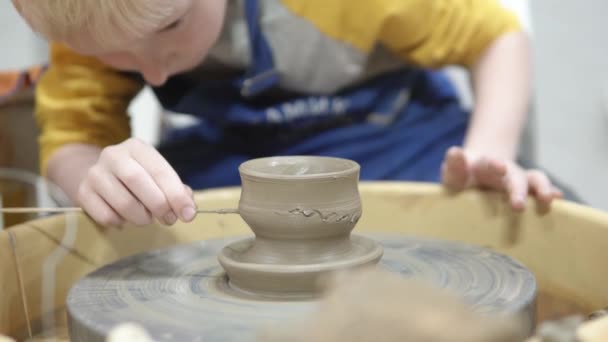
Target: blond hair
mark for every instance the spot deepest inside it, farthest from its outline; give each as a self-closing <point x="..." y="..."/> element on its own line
<point x="106" y="22"/>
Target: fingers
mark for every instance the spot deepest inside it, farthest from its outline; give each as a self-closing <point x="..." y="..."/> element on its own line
<point x="97" y="208"/>
<point x="503" y="176"/>
<point x="455" y="169"/>
<point x="116" y="194"/>
<point x="557" y="193"/>
<point x="133" y="182"/>
<point x="541" y="186"/>
<point x="143" y="187"/>
<point x="189" y="191"/>
<point x="166" y="179"/>
<point x="489" y="172"/>
<point x="461" y="169"/>
<point x="516" y="185"/>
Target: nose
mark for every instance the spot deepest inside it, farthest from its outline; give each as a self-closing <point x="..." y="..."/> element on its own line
<point x="153" y="73"/>
<point x="149" y="64"/>
<point x="152" y="69"/>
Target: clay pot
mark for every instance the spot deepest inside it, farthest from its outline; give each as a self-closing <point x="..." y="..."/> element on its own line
<point x="302" y="211"/>
<point x="300" y="200"/>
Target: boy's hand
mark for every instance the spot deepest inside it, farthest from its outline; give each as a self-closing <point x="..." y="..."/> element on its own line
<point x="132" y="182"/>
<point x="462" y="169"/>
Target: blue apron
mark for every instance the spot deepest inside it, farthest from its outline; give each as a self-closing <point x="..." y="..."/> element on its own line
<point x="396" y="126"/>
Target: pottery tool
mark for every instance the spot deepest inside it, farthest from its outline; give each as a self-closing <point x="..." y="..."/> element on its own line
<point x="36" y="210"/>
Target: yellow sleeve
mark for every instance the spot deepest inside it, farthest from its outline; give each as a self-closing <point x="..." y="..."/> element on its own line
<point x="428" y="33"/>
<point x="80" y="100"/>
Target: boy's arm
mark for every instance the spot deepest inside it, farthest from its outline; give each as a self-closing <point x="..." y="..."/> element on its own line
<point x="501" y="82"/>
<point x="81" y="107"/>
<point x="478" y="34"/>
<point x="86" y="150"/>
<point x="486" y="38"/>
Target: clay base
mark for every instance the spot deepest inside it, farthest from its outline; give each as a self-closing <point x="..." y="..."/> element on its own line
<point x="295" y="280"/>
<point x="182" y="294"/>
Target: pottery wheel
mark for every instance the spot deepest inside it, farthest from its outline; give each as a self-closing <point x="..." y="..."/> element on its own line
<point x="182" y="294"/>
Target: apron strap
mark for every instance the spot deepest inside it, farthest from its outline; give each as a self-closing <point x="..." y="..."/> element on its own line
<point x="262" y="75"/>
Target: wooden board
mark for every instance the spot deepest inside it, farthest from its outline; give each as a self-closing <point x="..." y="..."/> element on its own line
<point x="13" y="317"/>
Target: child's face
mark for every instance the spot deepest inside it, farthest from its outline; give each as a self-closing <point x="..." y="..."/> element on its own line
<point x="179" y="44"/>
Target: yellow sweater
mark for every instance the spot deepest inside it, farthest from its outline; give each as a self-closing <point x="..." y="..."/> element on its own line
<point x="79" y="100"/>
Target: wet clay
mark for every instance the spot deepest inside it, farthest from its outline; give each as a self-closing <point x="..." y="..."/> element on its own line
<point x="431" y="315"/>
<point x="302" y="211"/>
<point x="182" y="293"/>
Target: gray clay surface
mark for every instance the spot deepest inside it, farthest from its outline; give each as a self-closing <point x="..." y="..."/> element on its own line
<point x="181" y="293"/>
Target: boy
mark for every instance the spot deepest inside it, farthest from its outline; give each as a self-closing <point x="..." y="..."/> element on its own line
<point x="266" y="77"/>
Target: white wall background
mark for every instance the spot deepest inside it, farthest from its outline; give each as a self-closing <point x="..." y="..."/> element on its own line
<point x="19" y="47"/>
<point x="571" y="100"/>
<point x="571" y="70"/>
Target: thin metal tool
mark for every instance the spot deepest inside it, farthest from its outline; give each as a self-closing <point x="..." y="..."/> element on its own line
<point x="27" y="210"/>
